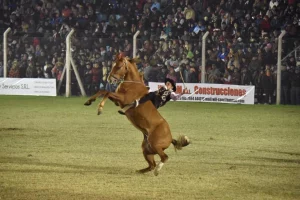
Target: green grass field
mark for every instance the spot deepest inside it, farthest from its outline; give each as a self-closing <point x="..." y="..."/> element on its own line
<point x="56" y="148"/>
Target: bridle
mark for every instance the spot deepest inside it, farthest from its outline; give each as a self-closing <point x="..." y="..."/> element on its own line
<point x="118" y="81"/>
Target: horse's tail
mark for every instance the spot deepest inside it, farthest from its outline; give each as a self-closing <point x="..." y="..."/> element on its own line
<point x="182" y="141"/>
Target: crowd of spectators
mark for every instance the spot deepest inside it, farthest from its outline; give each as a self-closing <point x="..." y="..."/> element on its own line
<point x="241" y="46"/>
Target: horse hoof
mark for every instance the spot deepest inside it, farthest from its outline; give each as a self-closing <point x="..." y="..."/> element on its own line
<point x="87" y="103"/>
<point x="99" y="112"/>
<point x="158" y="168"/>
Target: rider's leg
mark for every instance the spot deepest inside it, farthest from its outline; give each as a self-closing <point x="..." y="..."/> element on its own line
<point x="147" y="97"/>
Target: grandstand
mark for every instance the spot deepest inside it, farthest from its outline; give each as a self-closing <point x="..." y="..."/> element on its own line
<point x="241" y="47"/>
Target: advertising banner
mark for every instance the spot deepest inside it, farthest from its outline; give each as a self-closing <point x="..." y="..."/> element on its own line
<point x="28" y="86"/>
<point x="218" y="93"/>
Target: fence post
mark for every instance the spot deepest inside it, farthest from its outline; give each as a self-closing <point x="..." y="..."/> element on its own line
<point x="203" y="57"/>
<point x="68" y="63"/>
<point x="134" y="43"/>
<point x="81" y="87"/>
<point x="5" y="52"/>
<point x="279" y="50"/>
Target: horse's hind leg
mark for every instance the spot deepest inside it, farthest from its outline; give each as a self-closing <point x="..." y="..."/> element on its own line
<point x="160" y="140"/>
<point x="149" y="157"/>
<point x="163" y="157"/>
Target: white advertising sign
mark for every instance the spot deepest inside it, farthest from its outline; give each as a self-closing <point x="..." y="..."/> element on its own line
<point x="217" y="93"/>
<point x="28" y="86"/>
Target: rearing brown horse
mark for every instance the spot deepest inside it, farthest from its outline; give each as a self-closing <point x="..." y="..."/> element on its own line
<point x="145" y="117"/>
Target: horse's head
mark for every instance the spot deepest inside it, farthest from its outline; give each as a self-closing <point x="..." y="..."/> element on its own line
<point x="122" y="68"/>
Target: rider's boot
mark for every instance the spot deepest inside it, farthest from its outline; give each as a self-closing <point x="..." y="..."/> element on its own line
<point x="134" y="105"/>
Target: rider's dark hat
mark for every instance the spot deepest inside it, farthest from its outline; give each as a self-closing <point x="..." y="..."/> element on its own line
<point x="172" y="83"/>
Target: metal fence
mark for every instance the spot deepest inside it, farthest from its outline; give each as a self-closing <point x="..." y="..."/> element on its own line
<point x="43" y="50"/>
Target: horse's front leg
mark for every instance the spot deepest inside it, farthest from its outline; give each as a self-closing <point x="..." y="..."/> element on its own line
<point x="116" y="97"/>
<point x="102" y="103"/>
<point x="113" y="97"/>
<point x="94" y="97"/>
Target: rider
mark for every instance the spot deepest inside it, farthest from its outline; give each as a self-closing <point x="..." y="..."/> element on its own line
<point x="161" y="96"/>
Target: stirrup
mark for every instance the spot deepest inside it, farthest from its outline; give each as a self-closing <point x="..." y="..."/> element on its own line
<point x="136" y="103"/>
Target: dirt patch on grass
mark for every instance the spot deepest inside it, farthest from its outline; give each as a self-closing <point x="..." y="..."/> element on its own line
<point x="25" y="132"/>
<point x="282" y="152"/>
<point x="10" y="129"/>
<point x="279" y="160"/>
<point x="12" y="132"/>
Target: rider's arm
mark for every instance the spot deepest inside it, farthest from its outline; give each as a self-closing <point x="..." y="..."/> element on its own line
<point x="175" y="96"/>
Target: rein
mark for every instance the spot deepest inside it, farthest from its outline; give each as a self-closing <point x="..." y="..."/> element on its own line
<point x="121" y="80"/>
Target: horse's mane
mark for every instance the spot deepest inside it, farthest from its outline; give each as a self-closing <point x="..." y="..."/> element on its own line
<point x="134" y="61"/>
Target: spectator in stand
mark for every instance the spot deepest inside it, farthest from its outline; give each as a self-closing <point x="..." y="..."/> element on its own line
<point x="162" y="74"/>
<point x="236" y="77"/>
<point x="213" y="74"/>
<point x="285" y="82"/>
<point x="95" y="77"/>
<point x="267" y="85"/>
<point x="14" y="71"/>
<point x="255" y="64"/>
<point x="257" y="79"/>
<point x="172" y="74"/>
<point x="105" y="72"/>
<point x="295" y="87"/>
<point x="226" y="77"/>
<point x="246" y="77"/>
<point x="88" y="79"/>
<point x="1" y="70"/>
<point x="31" y="71"/>
<point x="291" y="62"/>
<point x="223" y="54"/>
<point x="193" y="76"/>
<point x="57" y="69"/>
<point x="47" y="70"/>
